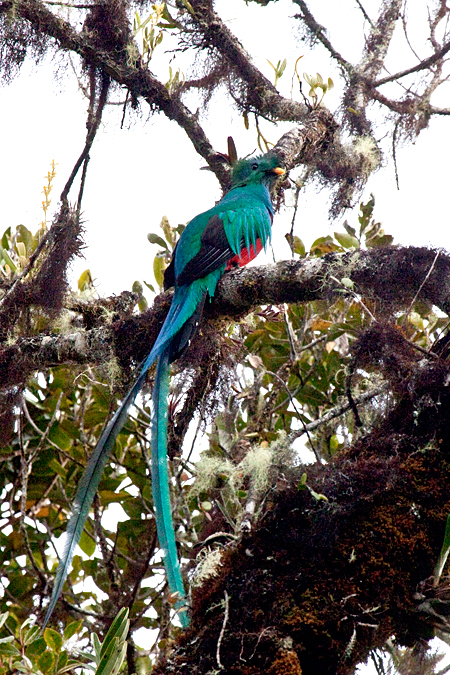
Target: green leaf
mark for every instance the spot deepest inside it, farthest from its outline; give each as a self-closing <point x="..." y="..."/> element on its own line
<point x="334" y="444"/>
<point x="302" y="483"/>
<point x="142" y="304"/>
<point x="7" y="259"/>
<point x="443" y="555"/>
<point x="380" y="241"/>
<point x="366" y="213"/>
<point x="112" y="659"/>
<point x="36" y="648"/>
<point x="97" y="648"/>
<point x="24" y="235"/>
<point x="71" y="665"/>
<point x="72" y="628"/>
<point x="349" y="229"/>
<point x="159" y="265"/>
<point x="85" y="281"/>
<point x="348" y="283"/>
<point x="6" y="640"/>
<point x="132" y="509"/>
<point x="156" y="239"/>
<point x="150" y="287"/>
<point x="53" y="639"/>
<point x="346" y="240"/>
<point x="6" y="238"/>
<point x="299" y="246"/>
<point x="112" y="497"/>
<point x="118" y="629"/>
<point x="87" y="544"/>
<point x="3" y="618"/>
<point x="317" y="495"/>
<point x="323" y="245"/>
<point x="110" y="654"/>
<point x="188" y="6"/>
<point x="46" y="661"/>
<point x="7" y="648"/>
<point x="60" y="437"/>
<point x="62" y="660"/>
<point x="171" y="22"/>
<point x="31" y="635"/>
<point x="57" y="468"/>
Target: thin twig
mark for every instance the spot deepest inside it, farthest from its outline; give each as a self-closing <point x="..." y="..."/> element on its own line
<point x="366" y="16"/>
<point x="44" y="434"/>
<point x="438" y="253"/>
<point x="420" y="66"/>
<point x="94" y="119"/>
<point x="394" y="151"/>
<point x="319" y="33"/>
<point x="82" y="182"/>
<point x="25" y="470"/>
<point x="355" y="296"/>
<point x="337" y="411"/>
<point x="407" y="36"/>
<point x="222" y="630"/>
<point x="66" y="4"/>
<point x="351" y="400"/>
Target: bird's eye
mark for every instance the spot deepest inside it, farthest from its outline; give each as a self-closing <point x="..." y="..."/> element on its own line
<point x="254" y="166"/>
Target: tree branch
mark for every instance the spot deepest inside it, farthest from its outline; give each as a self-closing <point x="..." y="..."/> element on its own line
<point x="426" y="63"/>
<point x="377" y="44"/>
<point x="387" y="276"/>
<point x="318" y="33"/>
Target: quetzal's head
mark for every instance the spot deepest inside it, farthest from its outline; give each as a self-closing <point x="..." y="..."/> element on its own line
<point x="264" y="169"/>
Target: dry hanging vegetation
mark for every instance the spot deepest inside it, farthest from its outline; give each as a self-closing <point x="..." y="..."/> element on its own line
<point x="293" y="569"/>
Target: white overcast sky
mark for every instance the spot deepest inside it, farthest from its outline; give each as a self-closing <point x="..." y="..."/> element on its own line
<point x="149" y="169"/>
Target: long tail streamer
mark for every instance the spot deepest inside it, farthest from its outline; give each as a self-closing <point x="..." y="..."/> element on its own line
<point x="160" y="485"/>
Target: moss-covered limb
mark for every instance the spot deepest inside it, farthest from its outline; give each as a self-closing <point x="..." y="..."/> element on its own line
<point x="43" y="281"/>
<point x="330" y="581"/>
<point x="127" y="339"/>
<point x="390" y="277"/>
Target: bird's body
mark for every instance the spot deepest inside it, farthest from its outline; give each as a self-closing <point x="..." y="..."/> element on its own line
<point x="230" y="234"/>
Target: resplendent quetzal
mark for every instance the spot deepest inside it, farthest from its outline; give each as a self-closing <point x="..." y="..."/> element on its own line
<point x="230" y="234"/>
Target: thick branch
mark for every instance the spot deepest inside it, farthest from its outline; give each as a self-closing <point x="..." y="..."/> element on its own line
<point x="357" y="96"/>
<point x="380" y="38"/>
<point x="390" y="277"/>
